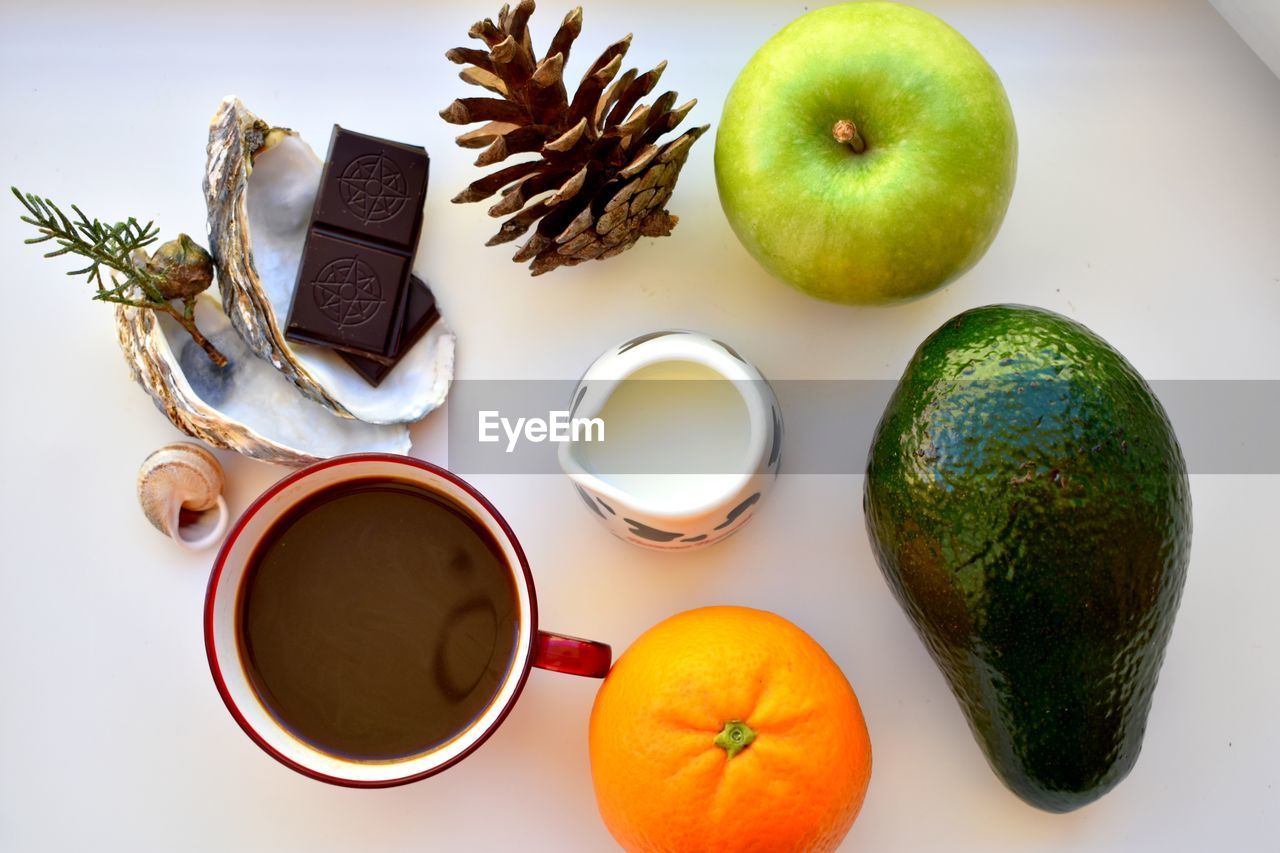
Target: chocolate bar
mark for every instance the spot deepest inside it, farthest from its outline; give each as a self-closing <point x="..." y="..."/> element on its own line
<point x="374" y="189"/>
<point x="349" y="296"/>
<point x="353" y="281"/>
<point x="419" y="314"/>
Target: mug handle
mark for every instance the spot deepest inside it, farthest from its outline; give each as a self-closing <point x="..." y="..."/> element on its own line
<point x="575" y="656"/>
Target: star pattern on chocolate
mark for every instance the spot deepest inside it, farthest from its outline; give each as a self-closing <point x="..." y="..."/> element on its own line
<point x="373" y="188"/>
<point x="347" y="291"/>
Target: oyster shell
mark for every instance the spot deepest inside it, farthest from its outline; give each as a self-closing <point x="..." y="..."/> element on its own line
<point x="247" y="406"/>
<point x="260" y="186"/>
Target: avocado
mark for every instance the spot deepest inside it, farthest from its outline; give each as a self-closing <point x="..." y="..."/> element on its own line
<point x="1028" y="504"/>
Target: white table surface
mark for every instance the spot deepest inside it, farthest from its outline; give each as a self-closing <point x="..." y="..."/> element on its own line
<point x="1147" y="206"/>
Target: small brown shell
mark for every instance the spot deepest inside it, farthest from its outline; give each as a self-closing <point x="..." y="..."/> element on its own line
<point x="177" y="477"/>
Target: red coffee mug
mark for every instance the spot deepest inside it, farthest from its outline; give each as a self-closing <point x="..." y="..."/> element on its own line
<point x="222" y="642"/>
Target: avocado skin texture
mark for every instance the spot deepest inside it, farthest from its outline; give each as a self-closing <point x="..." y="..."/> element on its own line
<point x="1028" y="503"/>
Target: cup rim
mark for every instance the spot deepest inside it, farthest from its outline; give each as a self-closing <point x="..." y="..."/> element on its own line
<point x="256" y="506"/>
<point x="707" y="352"/>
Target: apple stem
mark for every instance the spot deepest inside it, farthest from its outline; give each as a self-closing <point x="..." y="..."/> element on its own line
<point x="846" y="132"/>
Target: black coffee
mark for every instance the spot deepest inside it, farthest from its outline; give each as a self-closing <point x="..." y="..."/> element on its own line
<point x="377" y="619"/>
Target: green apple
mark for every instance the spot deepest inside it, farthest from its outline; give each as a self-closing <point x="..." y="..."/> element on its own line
<point x="866" y="153"/>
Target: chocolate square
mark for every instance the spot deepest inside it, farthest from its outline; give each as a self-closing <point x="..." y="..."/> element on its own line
<point x="373" y="188"/>
<point x="350" y="296"/>
<point x="420" y="314"/>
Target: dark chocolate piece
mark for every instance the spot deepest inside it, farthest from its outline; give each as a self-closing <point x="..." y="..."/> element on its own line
<point x="349" y="296"/>
<point x="353" y="279"/>
<point x="420" y="314"/>
<point x="373" y="188"/>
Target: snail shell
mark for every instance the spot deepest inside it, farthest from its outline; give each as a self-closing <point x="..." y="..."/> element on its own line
<point x="182" y="476"/>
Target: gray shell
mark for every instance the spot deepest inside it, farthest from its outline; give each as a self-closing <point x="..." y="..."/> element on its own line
<point x="260" y="185"/>
<point x="250" y="409"/>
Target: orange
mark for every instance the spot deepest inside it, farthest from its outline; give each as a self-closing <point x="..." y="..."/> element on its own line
<point x="728" y="729"/>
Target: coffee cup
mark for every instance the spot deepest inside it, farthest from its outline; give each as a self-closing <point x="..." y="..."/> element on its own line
<point x="256" y="658"/>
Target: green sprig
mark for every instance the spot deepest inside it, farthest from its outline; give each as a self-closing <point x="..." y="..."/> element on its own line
<point x="115" y="248"/>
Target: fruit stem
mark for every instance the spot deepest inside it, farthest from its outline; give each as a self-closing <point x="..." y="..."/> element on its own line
<point x="735" y="737"/>
<point x="846" y="132"/>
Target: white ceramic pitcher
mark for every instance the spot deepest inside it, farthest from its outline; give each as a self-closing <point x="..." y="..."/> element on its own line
<point x="682" y="463"/>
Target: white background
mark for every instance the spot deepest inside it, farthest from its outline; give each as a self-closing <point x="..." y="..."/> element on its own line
<point x="1147" y="206"/>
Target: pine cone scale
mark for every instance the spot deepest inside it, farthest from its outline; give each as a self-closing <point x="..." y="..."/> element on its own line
<point x="549" y="72"/>
<point x="642" y="86"/>
<point x="642" y="159"/>
<point x="487" y="32"/>
<point x="482" y="136"/>
<point x="587" y="97"/>
<point x="567" y="140"/>
<point x="533" y="247"/>
<point x="637" y="122"/>
<point x="517" y="225"/>
<point x="519" y="140"/>
<point x="570" y="188"/>
<point x="517" y="26"/>
<point x="490" y="184"/>
<point x="471" y="110"/>
<point x="470" y="56"/>
<point x="612" y="94"/>
<point x="580" y="223"/>
<point x="484" y="79"/>
<point x="615" y="51"/>
<point x="512" y="63"/>
<point x="569" y="30"/>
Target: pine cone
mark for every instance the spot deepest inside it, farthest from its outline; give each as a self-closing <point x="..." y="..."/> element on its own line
<point x="600" y="181"/>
